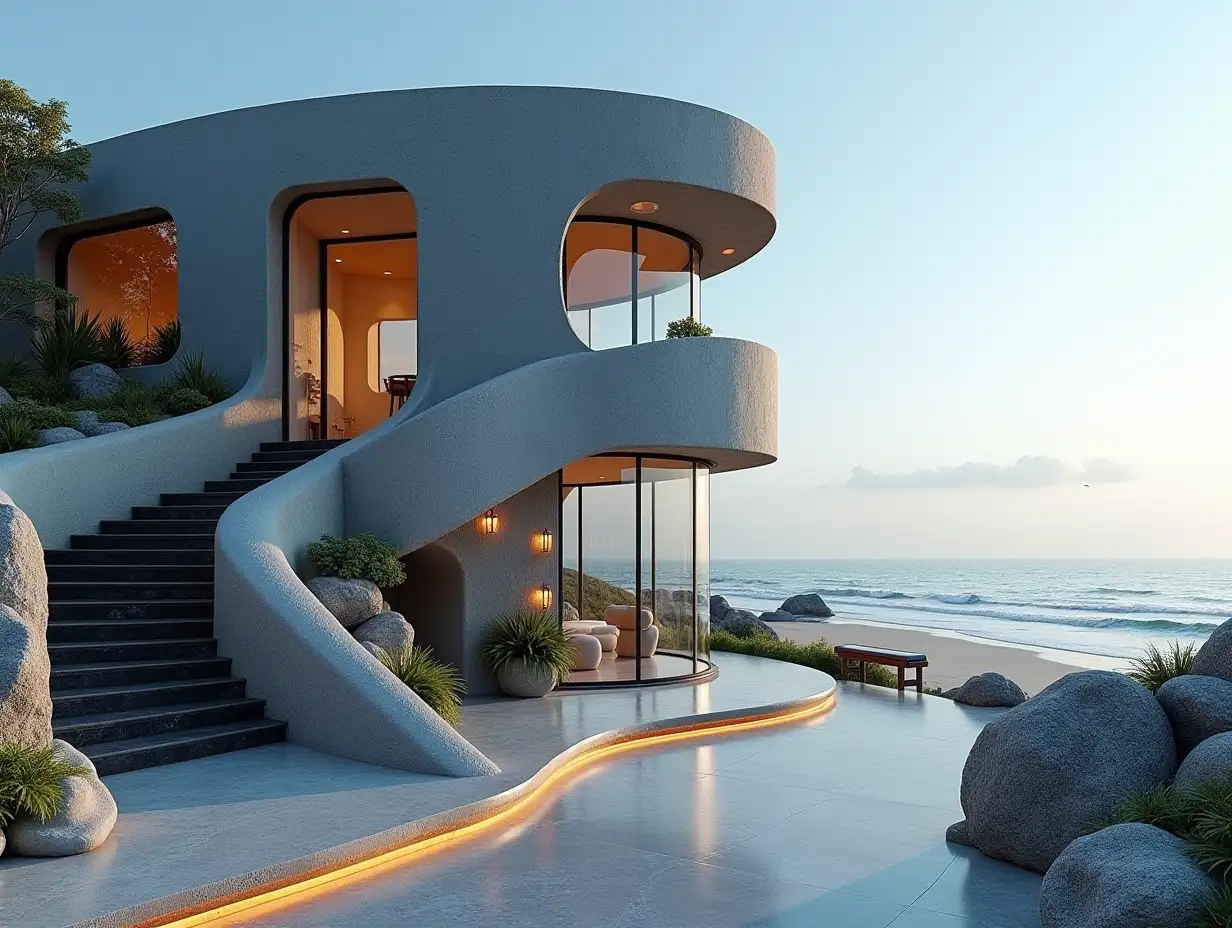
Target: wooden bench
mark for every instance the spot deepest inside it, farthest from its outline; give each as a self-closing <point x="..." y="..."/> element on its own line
<point x="856" y="658"/>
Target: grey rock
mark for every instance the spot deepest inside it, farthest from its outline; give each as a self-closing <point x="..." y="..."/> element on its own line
<point x="806" y="604"/>
<point x="5" y="397"/>
<point x="1214" y="658"/>
<point x="742" y="623"/>
<point x="1041" y="772"/>
<point x="389" y="631"/>
<point x="1125" y="876"/>
<point x="778" y="615"/>
<point x="86" y="420"/>
<point x="56" y="436"/>
<point x="949" y="694"/>
<point x="93" y="381"/>
<point x="83" y="820"/>
<point x="351" y="602"/>
<point x="1198" y="707"/>
<point x="989" y="690"/>
<point x="570" y="613"/>
<point x="25" y="669"/>
<point x="2" y="839"/>
<point x="23" y="578"/>
<point x="959" y="833"/>
<point x="1210" y="760"/>
<point x="375" y="650"/>
<point x="105" y="428"/>
<point x="719" y="607"/>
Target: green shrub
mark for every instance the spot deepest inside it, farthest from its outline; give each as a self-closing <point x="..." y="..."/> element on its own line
<point x="181" y="401"/>
<point x="437" y="684"/>
<point x="1155" y="667"/>
<point x="1219" y="910"/>
<point x="115" y="347"/>
<point x="688" y="327"/>
<point x="599" y="595"/>
<point x="133" y="404"/>
<point x="819" y="655"/>
<point x="71" y="339"/>
<point x="17" y="432"/>
<point x="14" y="375"/>
<point x="42" y="416"/>
<point x="162" y="345"/>
<point x="359" y="557"/>
<point x="533" y="637"/>
<point x="30" y="782"/>
<point x="194" y="374"/>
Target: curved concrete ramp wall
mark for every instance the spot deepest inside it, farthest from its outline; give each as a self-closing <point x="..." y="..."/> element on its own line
<point x="712" y="398"/>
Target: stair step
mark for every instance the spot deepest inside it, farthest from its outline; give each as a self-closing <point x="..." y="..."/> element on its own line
<point x="85" y="610"/>
<point x="161" y="649"/>
<point x="99" y="699"/>
<point x="172" y="747"/>
<point x="155" y="720"/>
<point x="128" y="592"/>
<point x="132" y="557"/>
<point x="234" y="484"/>
<point x="265" y="468"/>
<point x="123" y="673"/>
<point x="225" y="498"/>
<point x="100" y="630"/>
<point x="285" y="457"/>
<point x="159" y="526"/>
<point x="130" y="573"/>
<point x="179" y="513"/>
<point x="132" y="542"/>
<point x="312" y="444"/>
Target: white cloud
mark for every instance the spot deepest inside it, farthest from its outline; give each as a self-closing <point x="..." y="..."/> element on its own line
<point x="1027" y="473"/>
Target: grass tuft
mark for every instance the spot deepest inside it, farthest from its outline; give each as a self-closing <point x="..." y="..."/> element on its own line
<point x="819" y="654"/>
<point x="1155" y="667"/>
<point x="17" y="432"/>
<point x="533" y="637"/>
<point x="437" y="684"/>
<point x="30" y="782"/>
<point x="194" y="374"/>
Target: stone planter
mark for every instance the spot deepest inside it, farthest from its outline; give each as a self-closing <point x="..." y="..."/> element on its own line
<point x="519" y="678"/>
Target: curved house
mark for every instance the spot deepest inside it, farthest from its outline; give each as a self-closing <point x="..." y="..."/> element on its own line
<point x="449" y="312"/>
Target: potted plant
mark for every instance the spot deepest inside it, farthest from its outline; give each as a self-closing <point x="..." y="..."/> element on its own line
<point x="528" y="652"/>
<point x="688" y="327"/>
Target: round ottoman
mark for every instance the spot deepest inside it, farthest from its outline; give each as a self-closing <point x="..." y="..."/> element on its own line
<point x="586" y="651"/>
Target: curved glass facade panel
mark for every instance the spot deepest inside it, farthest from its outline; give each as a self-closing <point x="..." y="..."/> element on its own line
<point x="625" y="281"/>
<point x="637" y="529"/>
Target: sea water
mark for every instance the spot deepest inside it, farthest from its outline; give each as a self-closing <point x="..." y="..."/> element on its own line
<point x="1111" y="608"/>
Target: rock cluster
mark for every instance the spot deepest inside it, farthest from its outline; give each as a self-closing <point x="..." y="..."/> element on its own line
<point x="87" y="812"/>
<point x="361" y="609"/>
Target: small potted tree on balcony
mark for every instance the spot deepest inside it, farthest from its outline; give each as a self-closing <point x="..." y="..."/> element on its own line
<point x="688" y="327"/>
<point x="528" y="652"/>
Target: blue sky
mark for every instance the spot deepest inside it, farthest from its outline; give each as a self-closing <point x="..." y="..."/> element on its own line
<point x="1004" y="232"/>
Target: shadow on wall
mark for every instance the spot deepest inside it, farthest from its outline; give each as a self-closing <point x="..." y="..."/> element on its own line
<point x="431" y="599"/>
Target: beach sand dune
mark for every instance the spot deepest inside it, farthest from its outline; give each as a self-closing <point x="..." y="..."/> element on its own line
<point x="952" y="658"/>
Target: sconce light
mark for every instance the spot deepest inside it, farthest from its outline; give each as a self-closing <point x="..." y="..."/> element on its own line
<point x="542" y="597"/>
<point x="543" y="541"/>
<point x="489" y="522"/>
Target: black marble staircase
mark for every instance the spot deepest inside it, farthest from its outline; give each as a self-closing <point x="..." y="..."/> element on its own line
<point x="136" y="679"/>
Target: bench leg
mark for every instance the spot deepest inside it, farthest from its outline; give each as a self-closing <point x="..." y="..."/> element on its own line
<point x="863" y="671"/>
<point x="919" y="679"/>
<point x="902" y="679"/>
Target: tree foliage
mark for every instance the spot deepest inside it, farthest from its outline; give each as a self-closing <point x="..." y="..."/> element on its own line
<point x="37" y="161"/>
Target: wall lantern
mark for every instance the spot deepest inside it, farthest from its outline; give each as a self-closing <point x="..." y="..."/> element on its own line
<point x="543" y="541"/>
<point x="489" y="522"/>
<point x="542" y="597"/>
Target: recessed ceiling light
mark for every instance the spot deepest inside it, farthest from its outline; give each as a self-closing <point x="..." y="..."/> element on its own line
<point x="644" y="206"/>
<point x="388" y="273"/>
<point x="346" y="231"/>
<point x="337" y="260"/>
<point x="729" y="251"/>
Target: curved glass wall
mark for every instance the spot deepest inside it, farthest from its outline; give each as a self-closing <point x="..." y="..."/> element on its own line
<point x="635" y="529"/>
<point x="625" y="281"/>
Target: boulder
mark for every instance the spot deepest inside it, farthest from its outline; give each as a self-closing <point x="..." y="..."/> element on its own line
<point x="389" y="631"/>
<point x="105" y="428"/>
<point x="778" y="615"/>
<point x="807" y="604"/>
<point x="25" y="669"/>
<point x="1210" y="760"/>
<point x="2" y="839"/>
<point x="94" y="381"/>
<point x="959" y="833"/>
<point x="1214" y="658"/>
<point x="742" y="624"/>
<point x="1198" y="707"/>
<point x="83" y="820"/>
<point x="23" y="578"/>
<point x="1125" y="876"/>
<point x="86" y="420"/>
<point x="5" y="397"/>
<point x="569" y="613"/>
<point x="990" y="690"/>
<point x="56" y="436"/>
<point x="1040" y="773"/>
<point x="351" y="602"/>
<point x="719" y="607"/>
<point x="373" y="649"/>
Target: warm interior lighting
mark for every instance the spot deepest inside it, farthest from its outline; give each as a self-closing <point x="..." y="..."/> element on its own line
<point x="519" y="800"/>
<point x="346" y="231"/>
<point x="388" y="273"/>
<point x="543" y="541"/>
<point x="489" y="522"/>
<point x="542" y="597"/>
<point x="729" y="251"/>
<point x="644" y="206"/>
<point x="337" y="260"/>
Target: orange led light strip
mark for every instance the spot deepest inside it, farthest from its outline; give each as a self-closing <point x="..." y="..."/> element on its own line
<point x="311" y="885"/>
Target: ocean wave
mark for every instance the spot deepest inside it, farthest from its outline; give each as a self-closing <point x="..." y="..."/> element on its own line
<point x="1119" y="592"/>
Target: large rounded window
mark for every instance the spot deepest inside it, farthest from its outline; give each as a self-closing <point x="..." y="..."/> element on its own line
<point x="636" y="528"/>
<point x="625" y="281"/>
